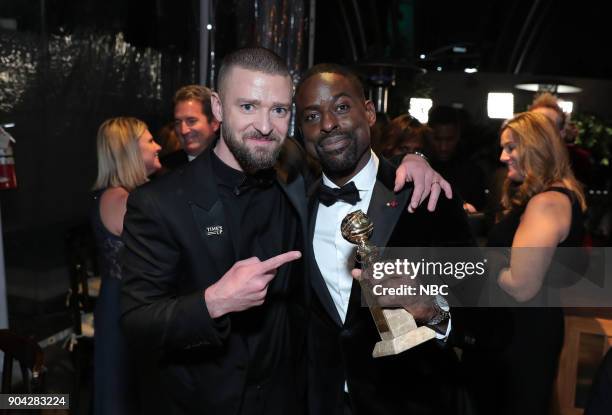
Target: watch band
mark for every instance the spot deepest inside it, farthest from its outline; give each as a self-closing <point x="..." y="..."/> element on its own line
<point x="442" y="311"/>
<point x="418" y="153"/>
<point x="440" y="317"/>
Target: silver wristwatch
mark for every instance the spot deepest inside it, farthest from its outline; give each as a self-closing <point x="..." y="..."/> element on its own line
<point x="442" y="311"/>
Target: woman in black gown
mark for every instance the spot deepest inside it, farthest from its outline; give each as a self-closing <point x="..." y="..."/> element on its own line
<point x="127" y="155"/>
<point x="543" y="205"/>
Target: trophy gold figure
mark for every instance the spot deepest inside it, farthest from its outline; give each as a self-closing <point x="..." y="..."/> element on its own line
<point x="396" y="326"/>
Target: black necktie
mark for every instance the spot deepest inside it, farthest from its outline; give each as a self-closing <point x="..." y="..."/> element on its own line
<point x="348" y="193"/>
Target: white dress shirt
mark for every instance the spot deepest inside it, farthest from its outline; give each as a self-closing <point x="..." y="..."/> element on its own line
<point x="335" y="256"/>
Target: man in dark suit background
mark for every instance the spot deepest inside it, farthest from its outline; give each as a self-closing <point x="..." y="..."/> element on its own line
<point x="335" y="119"/>
<point x="194" y="124"/>
<point x="448" y="146"/>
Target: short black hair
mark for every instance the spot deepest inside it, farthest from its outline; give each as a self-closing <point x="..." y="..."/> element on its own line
<point x="443" y="115"/>
<point x="255" y="59"/>
<point x="332" y="68"/>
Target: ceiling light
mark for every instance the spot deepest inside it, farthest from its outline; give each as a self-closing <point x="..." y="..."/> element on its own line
<point x="419" y="108"/>
<point x="566" y="106"/>
<point x="500" y="105"/>
<point x="549" y="87"/>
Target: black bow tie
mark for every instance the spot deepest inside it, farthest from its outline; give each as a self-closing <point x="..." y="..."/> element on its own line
<point x="348" y="193"/>
<point x="260" y="180"/>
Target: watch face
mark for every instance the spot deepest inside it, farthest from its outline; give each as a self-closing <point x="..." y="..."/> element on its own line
<point x="442" y="303"/>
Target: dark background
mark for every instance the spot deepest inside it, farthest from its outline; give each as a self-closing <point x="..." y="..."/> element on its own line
<point x="67" y="65"/>
<point x="70" y="64"/>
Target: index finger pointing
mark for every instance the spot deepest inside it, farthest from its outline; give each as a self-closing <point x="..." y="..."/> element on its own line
<point x="278" y="260"/>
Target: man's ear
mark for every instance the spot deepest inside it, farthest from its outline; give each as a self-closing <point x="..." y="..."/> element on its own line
<point x="370" y="112"/>
<point x="215" y="124"/>
<point x="217" y="108"/>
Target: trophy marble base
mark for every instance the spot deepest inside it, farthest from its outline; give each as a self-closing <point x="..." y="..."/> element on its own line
<point x="402" y="333"/>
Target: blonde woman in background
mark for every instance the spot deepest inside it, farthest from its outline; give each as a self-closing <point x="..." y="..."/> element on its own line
<point x="127" y="155"/>
<point x="543" y="210"/>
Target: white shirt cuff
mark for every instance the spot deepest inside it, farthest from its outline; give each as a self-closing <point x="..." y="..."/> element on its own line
<point x="444" y="336"/>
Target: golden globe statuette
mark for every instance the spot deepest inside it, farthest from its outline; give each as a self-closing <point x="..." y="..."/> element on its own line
<point x="396" y="326"/>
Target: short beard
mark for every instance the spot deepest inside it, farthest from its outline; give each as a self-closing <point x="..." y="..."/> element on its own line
<point x="251" y="160"/>
<point x="339" y="164"/>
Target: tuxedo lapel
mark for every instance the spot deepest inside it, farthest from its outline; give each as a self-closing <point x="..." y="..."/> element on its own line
<point x="316" y="279"/>
<point x="386" y="207"/>
<point x="207" y="210"/>
<point x="384" y="211"/>
<point x="295" y="191"/>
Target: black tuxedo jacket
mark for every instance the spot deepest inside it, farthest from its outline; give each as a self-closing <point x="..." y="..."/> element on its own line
<point x="174" y="160"/>
<point x="422" y="380"/>
<point x="177" y="245"/>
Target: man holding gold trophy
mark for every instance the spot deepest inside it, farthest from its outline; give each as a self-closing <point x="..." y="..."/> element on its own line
<point x="410" y="372"/>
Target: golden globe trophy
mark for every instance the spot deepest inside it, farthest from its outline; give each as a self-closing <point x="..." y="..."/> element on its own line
<point x="396" y="326"/>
